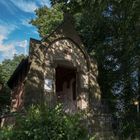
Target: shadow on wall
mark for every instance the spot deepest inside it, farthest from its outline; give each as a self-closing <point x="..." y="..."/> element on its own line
<point x="34" y="86"/>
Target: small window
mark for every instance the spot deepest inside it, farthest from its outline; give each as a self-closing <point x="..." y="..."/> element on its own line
<point x="48" y="85"/>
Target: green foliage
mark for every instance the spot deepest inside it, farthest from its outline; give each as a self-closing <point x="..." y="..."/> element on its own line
<point x="110" y="32"/>
<point x="43" y="123"/>
<point x="7" y="68"/>
<point x="48" y="19"/>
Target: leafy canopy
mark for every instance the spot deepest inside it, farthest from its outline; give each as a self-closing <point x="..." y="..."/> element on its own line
<point x="110" y="31"/>
<point x="48" y="19"/>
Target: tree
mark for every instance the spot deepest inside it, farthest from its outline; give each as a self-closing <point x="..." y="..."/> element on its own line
<point x="48" y="19"/>
<point x="7" y="68"/>
<point x="110" y="32"/>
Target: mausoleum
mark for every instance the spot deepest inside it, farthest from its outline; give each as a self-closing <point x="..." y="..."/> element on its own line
<point x="58" y="69"/>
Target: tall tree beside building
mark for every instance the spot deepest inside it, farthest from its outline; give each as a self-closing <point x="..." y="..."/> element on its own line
<point x="110" y="31"/>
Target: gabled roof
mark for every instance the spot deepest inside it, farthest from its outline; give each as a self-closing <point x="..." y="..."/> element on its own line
<point x="19" y="74"/>
<point x="64" y="30"/>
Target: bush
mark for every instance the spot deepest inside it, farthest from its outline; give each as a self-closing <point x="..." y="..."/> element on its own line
<point x="43" y="123"/>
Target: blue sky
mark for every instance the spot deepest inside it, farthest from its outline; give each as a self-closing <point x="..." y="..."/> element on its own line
<point x="15" y="31"/>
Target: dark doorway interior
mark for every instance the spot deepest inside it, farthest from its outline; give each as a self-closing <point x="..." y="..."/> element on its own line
<point x="66" y="86"/>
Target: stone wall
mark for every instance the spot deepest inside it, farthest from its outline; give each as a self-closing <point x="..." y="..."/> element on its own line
<point x="34" y="85"/>
<point x="65" y="53"/>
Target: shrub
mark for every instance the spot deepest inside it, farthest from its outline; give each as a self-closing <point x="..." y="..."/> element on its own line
<point x="43" y="123"/>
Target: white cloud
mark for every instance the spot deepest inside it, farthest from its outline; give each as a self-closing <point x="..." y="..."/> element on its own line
<point x="5" y="47"/>
<point x="25" y="22"/>
<point x="23" y="44"/>
<point x="8" y="50"/>
<point x="26" y="6"/>
<point x="44" y="2"/>
<point x="5" y="30"/>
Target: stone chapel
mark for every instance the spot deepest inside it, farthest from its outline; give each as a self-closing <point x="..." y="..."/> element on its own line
<point x="59" y="70"/>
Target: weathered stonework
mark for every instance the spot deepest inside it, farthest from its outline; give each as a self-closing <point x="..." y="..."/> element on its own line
<point x="62" y="48"/>
<point x="60" y="70"/>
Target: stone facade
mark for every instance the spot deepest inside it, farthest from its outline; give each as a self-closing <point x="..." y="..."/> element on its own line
<point x="58" y="69"/>
<point x="63" y="49"/>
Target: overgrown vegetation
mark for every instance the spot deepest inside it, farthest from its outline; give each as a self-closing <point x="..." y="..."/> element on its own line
<point x="110" y="31"/>
<point x="43" y="123"/>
